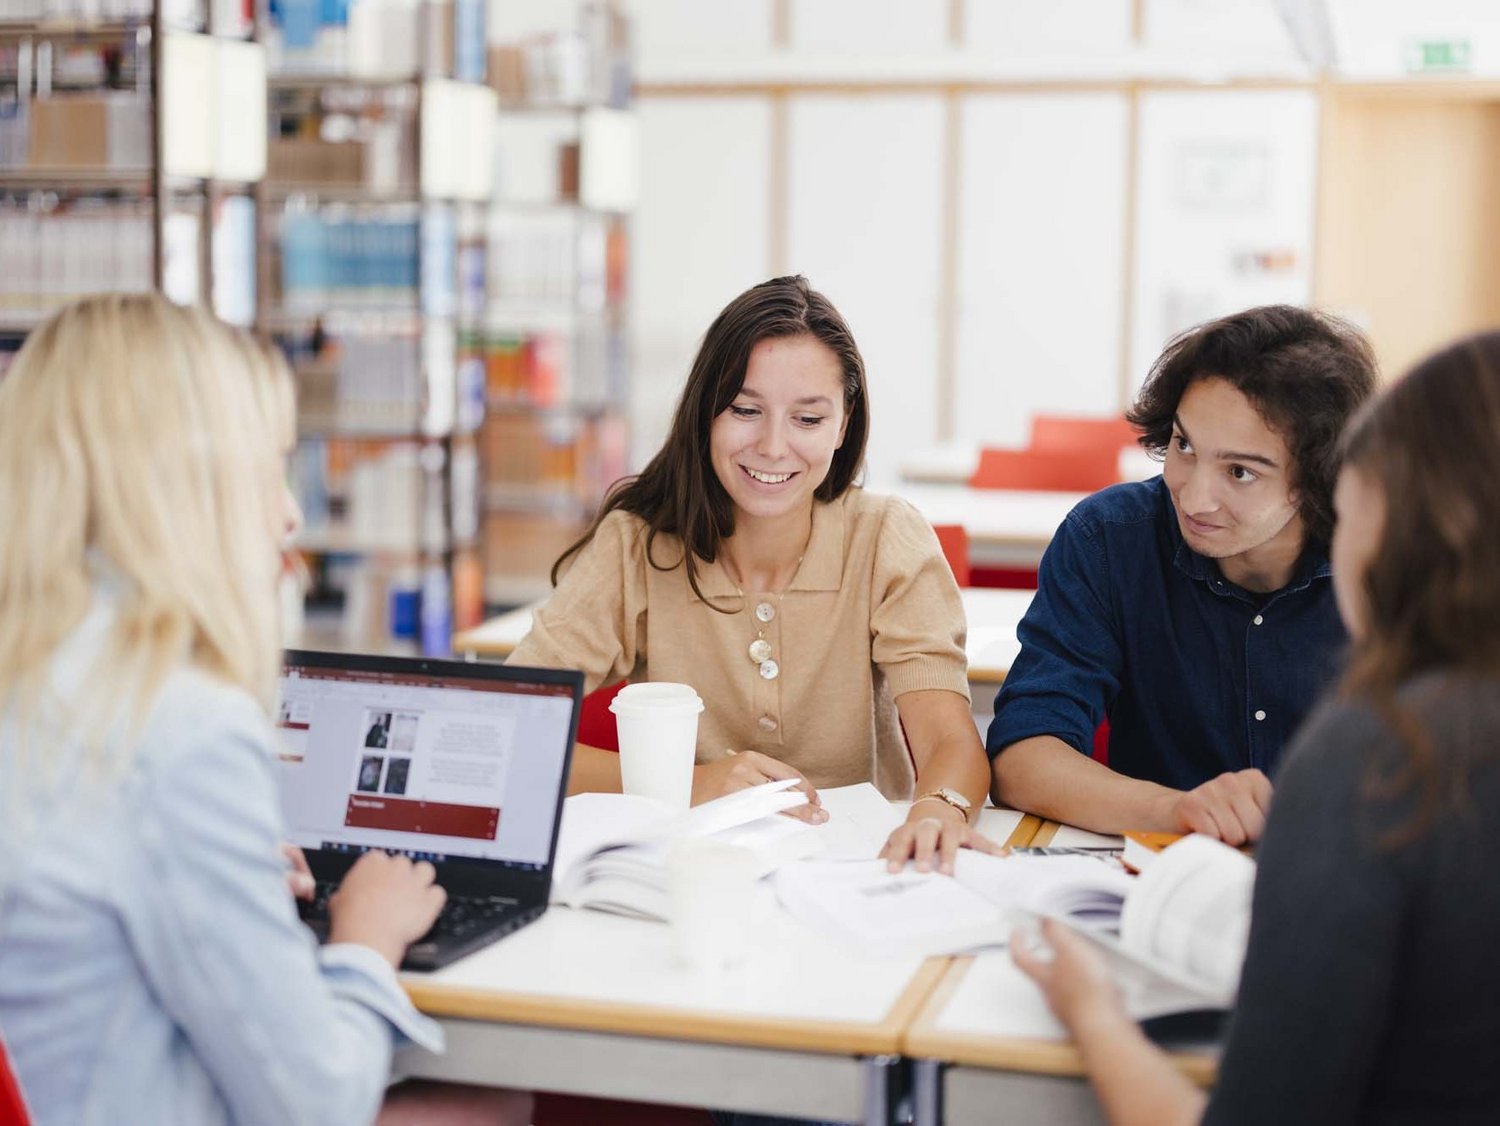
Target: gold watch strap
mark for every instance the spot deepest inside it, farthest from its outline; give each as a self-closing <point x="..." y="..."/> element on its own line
<point x="938" y="795"/>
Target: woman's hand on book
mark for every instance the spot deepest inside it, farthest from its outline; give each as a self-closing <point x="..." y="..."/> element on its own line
<point x="739" y="770"/>
<point x="932" y="835"/>
<point x="1071" y="974"/>
<point x="1231" y="807"/>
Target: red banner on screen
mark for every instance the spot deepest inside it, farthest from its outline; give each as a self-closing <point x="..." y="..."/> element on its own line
<point x="404" y="815"/>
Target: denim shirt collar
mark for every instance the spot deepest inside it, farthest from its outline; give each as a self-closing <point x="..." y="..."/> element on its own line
<point x="1311" y="566"/>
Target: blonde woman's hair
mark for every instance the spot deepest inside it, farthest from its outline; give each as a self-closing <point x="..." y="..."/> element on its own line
<point x="140" y="445"/>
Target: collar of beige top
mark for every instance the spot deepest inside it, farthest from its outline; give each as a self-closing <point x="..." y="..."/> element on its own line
<point x="822" y="563"/>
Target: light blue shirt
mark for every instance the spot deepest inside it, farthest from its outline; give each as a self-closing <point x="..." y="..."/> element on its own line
<point x="152" y="966"/>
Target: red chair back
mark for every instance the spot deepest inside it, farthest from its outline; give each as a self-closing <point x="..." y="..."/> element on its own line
<point x="1066" y="432"/>
<point x="1062" y="471"/>
<point x="596" y="723"/>
<point x="954" y="540"/>
<point x="12" y="1107"/>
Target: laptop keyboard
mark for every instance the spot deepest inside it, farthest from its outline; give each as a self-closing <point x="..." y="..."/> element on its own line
<point x="461" y="916"/>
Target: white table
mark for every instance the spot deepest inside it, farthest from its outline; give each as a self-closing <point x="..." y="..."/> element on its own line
<point x="587" y="1003"/>
<point x="987" y="1049"/>
<point x="1007" y="527"/>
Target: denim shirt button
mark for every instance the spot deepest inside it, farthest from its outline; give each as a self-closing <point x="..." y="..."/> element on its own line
<point x="1260" y="619"/>
<point x="1260" y="715"/>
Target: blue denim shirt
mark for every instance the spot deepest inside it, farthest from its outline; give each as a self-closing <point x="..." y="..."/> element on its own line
<point x="152" y="967"/>
<point x="1196" y="675"/>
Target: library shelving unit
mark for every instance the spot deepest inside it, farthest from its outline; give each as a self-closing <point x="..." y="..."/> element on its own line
<point x="551" y="345"/>
<point x="126" y="156"/>
<point x="371" y="257"/>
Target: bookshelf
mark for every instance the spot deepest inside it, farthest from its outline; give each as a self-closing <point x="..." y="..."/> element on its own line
<point x="104" y="183"/>
<point x="378" y="170"/>
<point x="552" y="343"/>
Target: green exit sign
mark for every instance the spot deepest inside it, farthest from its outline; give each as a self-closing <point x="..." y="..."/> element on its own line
<point x="1437" y="55"/>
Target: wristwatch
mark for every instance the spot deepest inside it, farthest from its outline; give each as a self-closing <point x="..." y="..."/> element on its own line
<point x="951" y="796"/>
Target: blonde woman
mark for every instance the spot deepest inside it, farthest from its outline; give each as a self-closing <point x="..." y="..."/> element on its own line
<point x="152" y="967"/>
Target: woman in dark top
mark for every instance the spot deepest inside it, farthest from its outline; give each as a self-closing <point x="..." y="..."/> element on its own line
<point x="1371" y="991"/>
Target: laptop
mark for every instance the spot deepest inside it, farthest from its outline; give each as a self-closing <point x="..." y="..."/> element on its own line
<point x="464" y="765"/>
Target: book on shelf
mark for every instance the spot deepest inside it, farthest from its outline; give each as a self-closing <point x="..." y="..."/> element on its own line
<point x="612" y="849"/>
<point x="1174" y="936"/>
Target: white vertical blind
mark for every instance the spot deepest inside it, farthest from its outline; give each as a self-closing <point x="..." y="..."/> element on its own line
<point x="1041" y="260"/>
<point x="866" y="199"/>
<point x="699" y="237"/>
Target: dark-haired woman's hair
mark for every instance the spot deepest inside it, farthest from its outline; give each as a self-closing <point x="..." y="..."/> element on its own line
<point x="1305" y="372"/>
<point x="678" y="493"/>
<point x="1431" y="447"/>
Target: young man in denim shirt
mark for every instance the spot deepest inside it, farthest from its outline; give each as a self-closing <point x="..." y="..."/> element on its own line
<point x="1195" y="610"/>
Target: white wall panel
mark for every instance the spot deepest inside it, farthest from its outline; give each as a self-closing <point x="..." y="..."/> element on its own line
<point x="865" y="225"/>
<point x="1225" y="204"/>
<point x="1027" y="28"/>
<point x="903" y="27"/>
<point x="1041" y="266"/>
<point x="667" y="34"/>
<point x="698" y="238"/>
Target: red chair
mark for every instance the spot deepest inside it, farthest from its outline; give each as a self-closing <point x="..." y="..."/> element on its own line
<point x="12" y="1106"/>
<point x="1068" y="432"/>
<point x="596" y="723"/>
<point x="1062" y="471"/>
<point x="954" y="540"/>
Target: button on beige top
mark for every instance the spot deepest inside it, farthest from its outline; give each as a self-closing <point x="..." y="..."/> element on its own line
<point x="872" y="613"/>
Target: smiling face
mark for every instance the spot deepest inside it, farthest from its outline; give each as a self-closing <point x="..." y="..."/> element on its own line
<point x="772" y="446"/>
<point x="1229" y="474"/>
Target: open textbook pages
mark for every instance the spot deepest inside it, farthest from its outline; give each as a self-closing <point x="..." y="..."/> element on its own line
<point x="1175" y="937"/>
<point x="1182" y="932"/>
<point x="913" y="912"/>
<point x="612" y="849"/>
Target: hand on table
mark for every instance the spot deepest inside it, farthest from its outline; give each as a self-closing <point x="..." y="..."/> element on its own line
<point x="386" y="903"/>
<point x="743" y="769"/>
<point x="932" y="835"/>
<point x="1231" y="807"/>
<point x="1074" y="979"/>
<point x="299" y="877"/>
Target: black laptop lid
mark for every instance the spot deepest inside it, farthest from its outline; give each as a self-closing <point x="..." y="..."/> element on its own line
<point x="459" y="763"/>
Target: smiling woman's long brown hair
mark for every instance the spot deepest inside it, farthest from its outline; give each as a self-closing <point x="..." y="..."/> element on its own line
<point x="678" y="493"/>
<point x="1431" y="445"/>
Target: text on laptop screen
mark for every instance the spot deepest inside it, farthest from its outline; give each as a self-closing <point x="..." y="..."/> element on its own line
<point x="443" y="767"/>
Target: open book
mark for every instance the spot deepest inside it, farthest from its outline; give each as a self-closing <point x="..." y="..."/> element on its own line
<point x="1183" y="927"/>
<point x="612" y="849"/>
<point x="1175" y="936"/>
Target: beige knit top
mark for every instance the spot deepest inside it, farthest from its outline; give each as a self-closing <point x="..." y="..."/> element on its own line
<point x="873" y="612"/>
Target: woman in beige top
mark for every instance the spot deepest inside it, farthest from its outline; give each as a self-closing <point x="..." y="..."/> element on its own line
<point x="817" y="621"/>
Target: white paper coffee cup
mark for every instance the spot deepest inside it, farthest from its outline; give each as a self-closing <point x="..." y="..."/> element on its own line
<point x="657" y="724"/>
<point x="713" y="887"/>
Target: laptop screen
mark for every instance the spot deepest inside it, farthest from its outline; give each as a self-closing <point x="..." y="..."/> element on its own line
<point x="436" y="759"/>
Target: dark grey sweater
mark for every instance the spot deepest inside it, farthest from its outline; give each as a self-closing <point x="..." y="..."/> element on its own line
<point x="1371" y="992"/>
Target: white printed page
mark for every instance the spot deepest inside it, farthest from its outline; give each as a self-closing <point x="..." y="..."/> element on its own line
<point x="1190" y="909"/>
<point x="861" y="904"/>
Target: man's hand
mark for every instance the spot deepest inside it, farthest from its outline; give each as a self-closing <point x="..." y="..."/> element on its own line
<point x="1231" y="807"/>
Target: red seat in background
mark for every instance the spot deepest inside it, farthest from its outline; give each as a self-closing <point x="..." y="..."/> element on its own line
<point x="1085" y="470"/>
<point x="596" y="723"/>
<point x="1070" y="432"/>
<point x="954" y="540"/>
<point x="12" y="1107"/>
